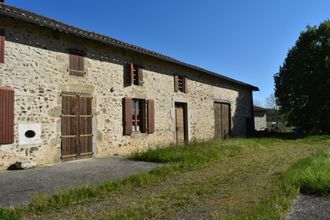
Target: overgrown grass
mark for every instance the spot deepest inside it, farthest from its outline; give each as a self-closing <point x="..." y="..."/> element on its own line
<point x="310" y="175"/>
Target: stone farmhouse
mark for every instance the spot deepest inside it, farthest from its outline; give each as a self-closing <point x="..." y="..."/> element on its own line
<point x="67" y="93"/>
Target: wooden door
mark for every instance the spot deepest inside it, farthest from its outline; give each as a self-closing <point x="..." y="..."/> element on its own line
<point x="76" y="124"/>
<point x="222" y="118"/>
<point x="181" y="126"/>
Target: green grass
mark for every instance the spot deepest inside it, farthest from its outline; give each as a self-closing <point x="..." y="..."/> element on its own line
<point x="309" y="176"/>
<point x="236" y="178"/>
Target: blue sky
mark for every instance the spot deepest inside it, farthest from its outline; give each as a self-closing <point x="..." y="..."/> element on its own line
<point x="245" y="40"/>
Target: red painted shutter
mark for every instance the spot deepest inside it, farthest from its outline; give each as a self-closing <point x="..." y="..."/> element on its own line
<point x="131" y="72"/>
<point x="185" y="84"/>
<point x="2" y="46"/>
<point x="176" y="83"/>
<point x="140" y="76"/>
<point x="127" y="115"/>
<point x="151" y="116"/>
<point x="6" y="115"/>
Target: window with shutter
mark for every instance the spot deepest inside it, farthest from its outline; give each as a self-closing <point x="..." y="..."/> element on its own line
<point x="2" y="46"/>
<point x="6" y="115"/>
<point x="138" y="116"/>
<point x="136" y="75"/>
<point x="180" y="83"/>
<point x="76" y="63"/>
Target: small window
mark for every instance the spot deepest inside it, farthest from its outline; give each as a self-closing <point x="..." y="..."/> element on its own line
<point x="2" y="46"/>
<point x="137" y="110"/>
<point x="138" y="116"/>
<point x="136" y="73"/>
<point x="135" y="80"/>
<point x="180" y="83"/>
<point x="76" y="63"/>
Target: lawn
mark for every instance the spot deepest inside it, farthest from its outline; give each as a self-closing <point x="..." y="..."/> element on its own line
<point x="232" y="179"/>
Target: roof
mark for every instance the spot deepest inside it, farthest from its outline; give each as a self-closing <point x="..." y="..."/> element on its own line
<point x="43" y="21"/>
<point x="259" y="109"/>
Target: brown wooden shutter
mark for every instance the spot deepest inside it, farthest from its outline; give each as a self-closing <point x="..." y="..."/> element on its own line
<point x="140" y="76"/>
<point x="132" y="72"/>
<point x="76" y="64"/>
<point x="69" y="126"/>
<point x="142" y="108"/>
<point x="2" y="46"/>
<point x="185" y="84"/>
<point x="127" y="115"/>
<point x="151" y="116"/>
<point x="6" y="115"/>
<point x="176" y="83"/>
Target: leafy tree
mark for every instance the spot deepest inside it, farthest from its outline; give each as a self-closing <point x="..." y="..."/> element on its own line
<point x="302" y="86"/>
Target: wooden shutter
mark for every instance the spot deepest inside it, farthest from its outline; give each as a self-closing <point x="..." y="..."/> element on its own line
<point x="76" y="64"/>
<point x="2" y="46"/>
<point x="185" y="85"/>
<point x="131" y="72"/>
<point x="151" y="116"/>
<point x="69" y="126"/>
<point x="176" y="83"/>
<point x="143" y="126"/>
<point x="6" y="115"/>
<point x="140" y="76"/>
<point x="85" y="147"/>
<point x="127" y="115"/>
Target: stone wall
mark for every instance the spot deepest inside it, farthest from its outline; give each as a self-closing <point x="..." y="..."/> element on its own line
<point x="260" y="122"/>
<point x="36" y="66"/>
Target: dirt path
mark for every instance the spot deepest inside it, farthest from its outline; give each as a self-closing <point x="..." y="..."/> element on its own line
<point x="227" y="188"/>
<point x="310" y="207"/>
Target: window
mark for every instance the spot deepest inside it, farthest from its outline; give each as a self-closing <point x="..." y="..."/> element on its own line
<point x="136" y="75"/>
<point x="138" y="116"/>
<point x="76" y="63"/>
<point x="2" y="46"/>
<point x="180" y="83"/>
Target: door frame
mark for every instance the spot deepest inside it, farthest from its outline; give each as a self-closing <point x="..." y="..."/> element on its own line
<point x="79" y="155"/>
<point x="185" y="121"/>
<point x="223" y="102"/>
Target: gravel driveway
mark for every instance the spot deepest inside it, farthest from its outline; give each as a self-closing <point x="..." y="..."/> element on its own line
<point x="310" y="207"/>
<point x="19" y="187"/>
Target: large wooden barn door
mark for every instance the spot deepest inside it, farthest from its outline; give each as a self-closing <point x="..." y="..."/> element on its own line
<point x="77" y="133"/>
<point x="181" y="123"/>
<point x="222" y="120"/>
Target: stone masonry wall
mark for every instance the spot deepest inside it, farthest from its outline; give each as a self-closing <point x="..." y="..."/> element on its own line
<point x="260" y="121"/>
<point x="36" y="66"/>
